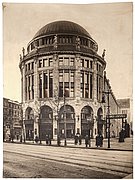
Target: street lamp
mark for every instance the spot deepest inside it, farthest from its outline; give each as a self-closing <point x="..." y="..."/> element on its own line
<point x="58" y="136"/>
<point x="90" y="121"/>
<point x="65" y="133"/>
<point x="108" y="113"/>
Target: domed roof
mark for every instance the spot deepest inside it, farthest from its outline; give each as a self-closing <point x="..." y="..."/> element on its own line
<point x="62" y="27"/>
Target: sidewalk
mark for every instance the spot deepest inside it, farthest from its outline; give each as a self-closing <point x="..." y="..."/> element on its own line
<point x="114" y="144"/>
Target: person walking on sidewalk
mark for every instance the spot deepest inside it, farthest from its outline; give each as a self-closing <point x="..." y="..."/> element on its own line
<point x="86" y="140"/>
<point x="76" y="139"/>
<point x="47" y="139"/>
<point x="80" y="139"/>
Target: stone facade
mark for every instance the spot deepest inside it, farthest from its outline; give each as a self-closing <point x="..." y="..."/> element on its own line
<point x="62" y="84"/>
<point x="12" y="121"/>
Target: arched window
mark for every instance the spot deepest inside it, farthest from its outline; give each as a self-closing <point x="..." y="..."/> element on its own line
<point x="87" y="121"/>
<point x="46" y="112"/>
<point x="29" y="114"/>
<point x="100" y="121"/>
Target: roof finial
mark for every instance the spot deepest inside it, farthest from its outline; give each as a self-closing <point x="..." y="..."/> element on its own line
<point x="78" y="43"/>
<point x="103" y="55"/>
<point x="23" y="51"/>
<point x="55" y="41"/>
<point x="20" y="57"/>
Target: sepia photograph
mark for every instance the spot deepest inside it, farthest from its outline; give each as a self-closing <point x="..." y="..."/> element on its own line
<point x="67" y="90"/>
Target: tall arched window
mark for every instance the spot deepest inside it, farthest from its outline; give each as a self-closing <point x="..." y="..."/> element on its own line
<point x="29" y="123"/>
<point x="46" y="122"/>
<point x="87" y="121"/>
<point x="67" y="115"/>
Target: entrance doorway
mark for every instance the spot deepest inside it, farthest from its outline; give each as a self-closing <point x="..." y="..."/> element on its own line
<point x="87" y="121"/>
<point x="69" y="120"/>
<point x="46" y="123"/>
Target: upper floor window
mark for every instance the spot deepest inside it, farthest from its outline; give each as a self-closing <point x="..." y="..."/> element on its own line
<point x="60" y="61"/>
<point x="29" y="66"/>
<point x="87" y="63"/>
<point x="72" y="61"/>
<point x="50" y="62"/>
<point x="66" y="61"/>
<point x="32" y="65"/>
<point x="91" y="64"/>
<point x="40" y="63"/>
<point x="82" y="62"/>
<point x="124" y="111"/>
<point x="45" y="62"/>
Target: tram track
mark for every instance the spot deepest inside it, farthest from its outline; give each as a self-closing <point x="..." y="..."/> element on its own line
<point x="72" y="162"/>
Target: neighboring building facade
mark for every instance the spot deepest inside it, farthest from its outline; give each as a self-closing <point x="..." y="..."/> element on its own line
<point x="126" y="108"/>
<point x="63" y="80"/>
<point x="114" y="108"/>
<point x="12" y="121"/>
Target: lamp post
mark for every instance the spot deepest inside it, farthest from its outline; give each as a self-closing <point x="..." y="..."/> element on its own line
<point x="65" y="133"/>
<point x="107" y="117"/>
<point x="90" y="122"/>
<point x="58" y="136"/>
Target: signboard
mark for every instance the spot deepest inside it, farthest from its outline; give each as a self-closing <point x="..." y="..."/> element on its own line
<point x="116" y="116"/>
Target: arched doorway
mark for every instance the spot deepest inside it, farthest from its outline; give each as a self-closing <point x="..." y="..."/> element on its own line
<point x="45" y="122"/>
<point x="70" y="121"/>
<point x="87" y="121"/>
<point x="29" y="123"/>
<point x="100" y="121"/>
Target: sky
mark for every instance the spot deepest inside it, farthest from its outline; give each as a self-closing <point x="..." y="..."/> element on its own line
<point x="109" y="24"/>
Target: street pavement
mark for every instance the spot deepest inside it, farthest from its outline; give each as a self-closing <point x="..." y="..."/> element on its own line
<point x="27" y="161"/>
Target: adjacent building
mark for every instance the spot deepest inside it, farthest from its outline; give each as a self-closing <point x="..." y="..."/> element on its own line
<point x="126" y="108"/>
<point x="12" y="121"/>
<point x="63" y="82"/>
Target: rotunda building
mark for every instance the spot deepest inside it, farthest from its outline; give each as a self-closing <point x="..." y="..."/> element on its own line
<point x="62" y="83"/>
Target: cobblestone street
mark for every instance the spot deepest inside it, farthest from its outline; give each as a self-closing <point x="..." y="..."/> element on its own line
<point x="21" y="160"/>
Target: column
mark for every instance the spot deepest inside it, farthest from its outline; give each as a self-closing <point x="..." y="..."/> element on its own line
<point x="95" y="80"/>
<point x="56" y="93"/>
<point x="77" y="78"/>
<point x="23" y="101"/>
<point x="23" y="83"/>
<point x="77" y="90"/>
<point x="42" y="84"/>
<point x="36" y="96"/>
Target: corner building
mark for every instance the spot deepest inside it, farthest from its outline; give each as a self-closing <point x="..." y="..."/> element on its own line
<point x="62" y="83"/>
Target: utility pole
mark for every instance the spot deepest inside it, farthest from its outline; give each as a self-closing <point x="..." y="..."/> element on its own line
<point x="65" y="133"/>
<point x="108" y="118"/>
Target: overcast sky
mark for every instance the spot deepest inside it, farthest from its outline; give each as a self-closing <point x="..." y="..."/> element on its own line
<point x="110" y="25"/>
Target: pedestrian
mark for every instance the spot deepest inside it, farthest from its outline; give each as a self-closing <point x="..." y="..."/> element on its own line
<point x="9" y="138"/>
<point x="59" y="140"/>
<point x="17" y="137"/>
<point x="20" y="138"/>
<point x="121" y="135"/>
<point x="80" y="140"/>
<point x="47" y="139"/>
<point x="86" y="140"/>
<point x="36" y="139"/>
<point x="76" y="139"/>
<point x="97" y="140"/>
<point x="101" y="140"/>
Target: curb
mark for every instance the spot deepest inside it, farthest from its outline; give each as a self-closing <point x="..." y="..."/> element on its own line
<point x="53" y="145"/>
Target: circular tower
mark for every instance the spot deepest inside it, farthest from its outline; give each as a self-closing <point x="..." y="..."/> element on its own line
<point x="62" y="83"/>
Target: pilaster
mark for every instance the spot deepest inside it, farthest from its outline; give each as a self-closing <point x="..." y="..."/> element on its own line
<point x="77" y="78"/>
<point x="95" y="80"/>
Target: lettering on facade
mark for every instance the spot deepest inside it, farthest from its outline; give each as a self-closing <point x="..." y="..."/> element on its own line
<point x="116" y="116"/>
